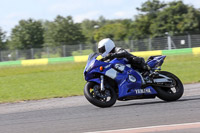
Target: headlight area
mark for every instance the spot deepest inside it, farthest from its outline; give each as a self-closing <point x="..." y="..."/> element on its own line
<point x="89" y="76"/>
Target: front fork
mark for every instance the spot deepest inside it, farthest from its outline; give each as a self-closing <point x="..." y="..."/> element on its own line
<point x="102" y="83"/>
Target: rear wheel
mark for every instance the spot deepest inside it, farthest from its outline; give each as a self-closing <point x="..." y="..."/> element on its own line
<point x="99" y="98"/>
<point x="170" y="94"/>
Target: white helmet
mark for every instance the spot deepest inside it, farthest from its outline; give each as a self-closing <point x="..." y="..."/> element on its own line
<point x="105" y="46"/>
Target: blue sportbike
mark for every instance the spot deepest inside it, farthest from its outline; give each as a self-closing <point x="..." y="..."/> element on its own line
<point x="117" y="80"/>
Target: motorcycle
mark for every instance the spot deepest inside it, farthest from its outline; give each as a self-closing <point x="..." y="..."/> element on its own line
<point x="118" y="80"/>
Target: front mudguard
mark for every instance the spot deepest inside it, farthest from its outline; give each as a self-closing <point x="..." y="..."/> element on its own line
<point x="96" y="80"/>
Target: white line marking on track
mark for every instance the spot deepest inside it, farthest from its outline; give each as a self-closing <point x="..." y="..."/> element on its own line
<point x="154" y="128"/>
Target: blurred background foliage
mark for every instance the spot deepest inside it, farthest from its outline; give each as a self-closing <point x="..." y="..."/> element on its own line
<point x="155" y="19"/>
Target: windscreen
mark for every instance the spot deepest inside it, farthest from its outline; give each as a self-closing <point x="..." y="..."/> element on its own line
<point x="92" y="56"/>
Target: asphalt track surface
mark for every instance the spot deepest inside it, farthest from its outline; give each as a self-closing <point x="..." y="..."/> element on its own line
<point x="76" y="115"/>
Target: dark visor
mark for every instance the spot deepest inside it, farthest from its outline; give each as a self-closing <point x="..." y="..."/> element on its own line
<point x="102" y="50"/>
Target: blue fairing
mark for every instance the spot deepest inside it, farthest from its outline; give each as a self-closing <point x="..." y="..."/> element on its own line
<point x="128" y="80"/>
<point x="156" y="61"/>
<point x="96" y="80"/>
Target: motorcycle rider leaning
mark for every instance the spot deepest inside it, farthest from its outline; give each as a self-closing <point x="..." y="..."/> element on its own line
<point x="108" y="51"/>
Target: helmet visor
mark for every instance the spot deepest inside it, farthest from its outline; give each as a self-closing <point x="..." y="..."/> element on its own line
<point x="102" y="50"/>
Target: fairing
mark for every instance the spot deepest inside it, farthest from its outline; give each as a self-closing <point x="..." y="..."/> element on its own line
<point x="156" y="61"/>
<point x="129" y="81"/>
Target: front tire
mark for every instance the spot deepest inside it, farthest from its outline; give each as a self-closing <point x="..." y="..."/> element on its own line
<point x="96" y="97"/>
<point x="170" y="94"/>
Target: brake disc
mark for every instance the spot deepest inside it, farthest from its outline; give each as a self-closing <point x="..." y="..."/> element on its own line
<point x="100" y="94"/>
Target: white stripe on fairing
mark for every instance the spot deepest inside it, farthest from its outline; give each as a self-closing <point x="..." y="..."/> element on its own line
<point x="197" y="124"/>
<point x="112" y="73"/>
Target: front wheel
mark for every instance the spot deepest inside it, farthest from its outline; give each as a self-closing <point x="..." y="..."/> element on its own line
<point x="99" y="98"/>
<point x="170" y="94"/>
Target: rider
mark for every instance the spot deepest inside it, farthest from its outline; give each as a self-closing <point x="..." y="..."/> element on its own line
<point x="108" y="51"/>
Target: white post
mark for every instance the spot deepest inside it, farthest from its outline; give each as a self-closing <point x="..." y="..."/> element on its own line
<point x="169" y="42"/>
<point x="150" y="46"/>
<point x="64" y="50"/>
<point x="189" y="41"/>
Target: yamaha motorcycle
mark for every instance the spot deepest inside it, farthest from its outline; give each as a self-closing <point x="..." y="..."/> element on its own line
<point x="118" y="80"/>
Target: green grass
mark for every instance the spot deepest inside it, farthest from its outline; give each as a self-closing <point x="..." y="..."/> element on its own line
<point x="186" y="67"/>
<point x="66" y="79"/>
<point x="39" y="82"/>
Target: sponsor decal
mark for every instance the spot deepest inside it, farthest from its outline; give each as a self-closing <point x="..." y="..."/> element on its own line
<point x="142" y="91"/>
<point x="132" y="78"/>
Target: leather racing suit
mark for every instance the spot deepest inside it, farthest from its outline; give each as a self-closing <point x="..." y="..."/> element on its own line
<point x="136" y="62"/>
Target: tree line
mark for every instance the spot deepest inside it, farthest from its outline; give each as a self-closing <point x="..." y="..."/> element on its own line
<point x="155" y="19"/>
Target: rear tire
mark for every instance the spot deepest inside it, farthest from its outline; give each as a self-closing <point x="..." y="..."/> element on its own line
<point x="170" y="94"/>
<point x="93" y="95"/>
